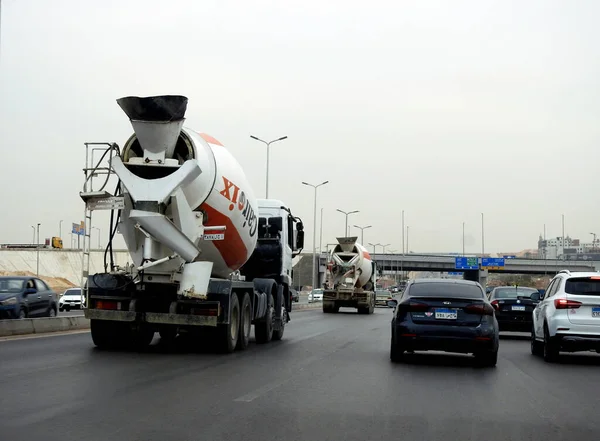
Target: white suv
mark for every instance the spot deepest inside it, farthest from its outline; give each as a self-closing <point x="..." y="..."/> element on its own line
<point x="568" y="316"/>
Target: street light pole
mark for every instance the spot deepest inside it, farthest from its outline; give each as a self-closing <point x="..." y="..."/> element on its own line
<point x="383" y="247"/>
<point x="394" y="267"/>
<point x="482" y="237"/>
<point x="374" y="245"/>
<point x="267" y="144"/>
<point x="33" y="239"/>
<point x="321" y="232"/>
<point x="402" y="261"/>
<point x="314" y="271"/>
<point x="563" y="237"/>
<point x="37" y="271"/>
<point x="60" y="228"/>
<point x="346" y="214"/>
<point x="362" y="233"/>
<point x="463" y="239"/>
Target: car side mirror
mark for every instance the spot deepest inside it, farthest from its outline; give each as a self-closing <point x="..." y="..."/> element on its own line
<point x="29" y="291"/>
<point x="535" y="296"/>
<point x="392" y="303"/>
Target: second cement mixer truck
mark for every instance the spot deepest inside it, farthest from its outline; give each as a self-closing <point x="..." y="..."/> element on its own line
<point x="350" y="278"/>
<point x="209" y="259"/>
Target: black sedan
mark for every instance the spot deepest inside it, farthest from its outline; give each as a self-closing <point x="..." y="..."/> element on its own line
<point x="514" y="307"/>
<point x="445" y="315"/>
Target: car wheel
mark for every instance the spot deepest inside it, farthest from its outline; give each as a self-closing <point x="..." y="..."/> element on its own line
<point x="22" y="314"/>
<point x="550" y="349"/>
<point x="52" y="312"/>
<point x="537" y="348"/>
<point x="487" y="359"/>
<point x="396" y="353"/>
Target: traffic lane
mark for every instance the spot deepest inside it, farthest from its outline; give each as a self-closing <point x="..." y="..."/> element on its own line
<point x="330" y="378"/>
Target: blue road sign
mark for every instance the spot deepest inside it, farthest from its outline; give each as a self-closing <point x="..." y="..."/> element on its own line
<point x="455" y="273"/>
<point x="466" y="263"/>
<point x="492" y="262"/>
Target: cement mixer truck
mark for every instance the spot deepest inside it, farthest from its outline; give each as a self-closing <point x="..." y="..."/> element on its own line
<point x="350" y="278"/>
<point x="209" y="260"/>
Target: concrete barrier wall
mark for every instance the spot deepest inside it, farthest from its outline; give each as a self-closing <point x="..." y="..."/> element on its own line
<point x="56" y="263"/>
<point x="42" y="325"/>
<point x="58" y="324"/>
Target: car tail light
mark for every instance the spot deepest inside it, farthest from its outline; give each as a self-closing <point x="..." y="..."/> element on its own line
<point x="480" y="309"/>
<point x="418" y="307"/>
<point x="566" y="304"/>
<point x="413" y="307"/>
<point x="495" y="304"/>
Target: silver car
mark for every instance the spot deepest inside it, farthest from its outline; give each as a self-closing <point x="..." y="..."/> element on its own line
<point x="316" y="295"/>
<point x="567" y="318"/>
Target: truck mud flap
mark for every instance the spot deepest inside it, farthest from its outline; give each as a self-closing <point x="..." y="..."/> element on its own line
<point x="104" y="314"/>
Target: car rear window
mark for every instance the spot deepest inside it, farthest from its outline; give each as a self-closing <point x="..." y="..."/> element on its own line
<point x="512" y="293"/>
<point x="583" y="286"/>
<point x="456" y="290"/>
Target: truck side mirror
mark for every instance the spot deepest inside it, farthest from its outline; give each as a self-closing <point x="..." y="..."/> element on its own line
<point x="535" y="296"/>
<point x="299" y="235"/>
<point x="299" y="239"/>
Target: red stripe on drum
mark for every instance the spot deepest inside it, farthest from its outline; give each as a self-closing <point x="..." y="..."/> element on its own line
<point x="232" y="248"/>
<point x="209" y="139"/>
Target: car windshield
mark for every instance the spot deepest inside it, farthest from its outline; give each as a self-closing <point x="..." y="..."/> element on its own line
<point x="513" y="293"/>
<point x="455" y="290"/>
<point x="583" y="286"/>
<point x="11" y="285"/>
<point x="72" y="292"/>
<point x="317" y="291"/>
<point x="383" y="293"/>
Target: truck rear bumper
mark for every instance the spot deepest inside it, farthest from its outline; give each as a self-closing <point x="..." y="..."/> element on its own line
<point x="151" y="317"/>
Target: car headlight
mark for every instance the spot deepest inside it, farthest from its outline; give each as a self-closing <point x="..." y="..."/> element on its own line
<point x="10" y="301"/>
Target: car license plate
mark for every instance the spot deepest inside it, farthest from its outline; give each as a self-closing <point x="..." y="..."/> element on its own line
<point x="445" y="314"/>
<point x="596" y="312"/>
<point x="518" y="308"/>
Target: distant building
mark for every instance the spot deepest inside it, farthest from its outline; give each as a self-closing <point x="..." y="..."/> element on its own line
<point x="571" y="249"/>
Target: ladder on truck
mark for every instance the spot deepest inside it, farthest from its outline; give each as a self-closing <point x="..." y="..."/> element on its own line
<point x="96" y="198"/>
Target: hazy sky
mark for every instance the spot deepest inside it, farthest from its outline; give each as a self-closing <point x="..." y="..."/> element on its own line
<point x="444" y="109"/>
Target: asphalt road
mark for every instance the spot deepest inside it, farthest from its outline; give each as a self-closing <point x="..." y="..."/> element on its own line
<point x="329" y="379"/>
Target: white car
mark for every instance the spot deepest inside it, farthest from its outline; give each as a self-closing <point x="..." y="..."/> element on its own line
<point x="316" y="295"/>
<point x="70" y="299"/>
<point x="567" y="318"/>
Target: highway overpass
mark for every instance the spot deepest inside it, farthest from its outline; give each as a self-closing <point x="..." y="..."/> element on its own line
<point x="416" y="262"/>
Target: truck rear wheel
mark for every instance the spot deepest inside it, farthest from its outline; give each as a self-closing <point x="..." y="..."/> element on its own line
<point x="245" y="322"/>
<point x="140" y="338"/>
<point x="227" y="334"/>
<point x="108" y="334"/>
<point x="263" y="330"/>
<point x="330" y="308"/>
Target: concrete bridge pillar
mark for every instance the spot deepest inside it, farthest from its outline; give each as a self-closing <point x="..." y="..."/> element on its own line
<point x="477" y="276"/>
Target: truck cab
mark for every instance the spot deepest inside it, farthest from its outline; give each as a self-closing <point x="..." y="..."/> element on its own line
<point x="280" y="239"/>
